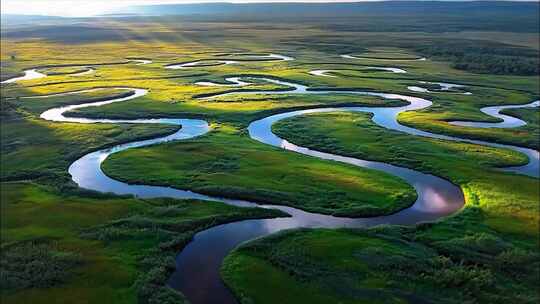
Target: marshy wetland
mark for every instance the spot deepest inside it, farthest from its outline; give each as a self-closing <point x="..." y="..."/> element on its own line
<point x="172" y="164"/>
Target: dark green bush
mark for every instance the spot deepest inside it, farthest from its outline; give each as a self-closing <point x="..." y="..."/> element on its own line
<point x="35" y="264"/>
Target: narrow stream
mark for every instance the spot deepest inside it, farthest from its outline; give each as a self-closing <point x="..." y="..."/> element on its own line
<point x="348" y="56"/>
<point x="387" y="117"/>
<point x="28" y="75"/>
<point x="89" y="70"/>
<point x="214" y="62"/>
<point x="34" y="74"/>
<point x="198" y="265"/>
<point x="324" y="73"/>
<point x="231" y="82"/>
<point x="494" y="111"/>
<point x="444" y="88"/>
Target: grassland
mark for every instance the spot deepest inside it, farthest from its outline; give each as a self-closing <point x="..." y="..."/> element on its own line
<point x="32" y="147"/>
<point x="66" y="243"/>
<point x="432" y="263"/>
<point x="63" y="70"/>
<point x="484" y="254"/>
<point x="98" y="248"/>
<point x="228" y="164"/>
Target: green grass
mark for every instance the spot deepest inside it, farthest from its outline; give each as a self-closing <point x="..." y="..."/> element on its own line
<point x="384" y="265"/>
<point x="356" y="135"/>
<point x="71" y="237"/>
<point x="38" y="105"/>
<point x="473" y="167"/>
<point x="230" y="164"/>
<point x="32" y="147"/>
<point x="62" y="70"/>
<point x="487" y="253"/>
<point x="99" y="251"/>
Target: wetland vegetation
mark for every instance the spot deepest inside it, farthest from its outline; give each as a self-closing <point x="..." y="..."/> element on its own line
<point x="63" y="243"/>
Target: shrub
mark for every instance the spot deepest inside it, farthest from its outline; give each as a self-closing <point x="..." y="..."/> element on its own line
<point x="32" y="264"/>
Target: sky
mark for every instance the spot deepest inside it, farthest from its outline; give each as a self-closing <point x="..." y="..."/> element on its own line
<point x="76" y="8"/>
<point x="83" y="8"/>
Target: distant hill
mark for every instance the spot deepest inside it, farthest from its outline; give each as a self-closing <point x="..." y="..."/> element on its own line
<point x="430" y="16"/>
<point x="333" y="9"/>
<point x="8" y="20"/>
<point x="386" y="16"/>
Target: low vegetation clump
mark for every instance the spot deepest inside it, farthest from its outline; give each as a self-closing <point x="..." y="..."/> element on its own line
<point x="35" y="264"/>
<point x="486" y="58"/>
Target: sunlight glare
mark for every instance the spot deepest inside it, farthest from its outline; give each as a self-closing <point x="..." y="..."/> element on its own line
<point x="75" y="8"/>
<point x="59" y="8"/>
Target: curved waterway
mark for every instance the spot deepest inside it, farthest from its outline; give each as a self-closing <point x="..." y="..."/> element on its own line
<point x="324" y="73"/>
<point x="507" y="121"/>
<point x="444" y="88"/>
<point x="141" y="61"/>
<point x="89" y="70"/>
<point x="387" y="117"/>
<point x="231" y="82"/>
<point x="28" y="75"/>
<point x="197" y="274"/>
<point x="34" y="74"/>
<point x="348" y="56"/>
<point x="216" y="62"/>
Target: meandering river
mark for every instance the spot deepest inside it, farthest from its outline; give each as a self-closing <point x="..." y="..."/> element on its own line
<point x="197" y="274"/>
